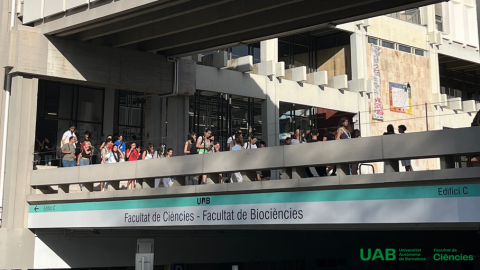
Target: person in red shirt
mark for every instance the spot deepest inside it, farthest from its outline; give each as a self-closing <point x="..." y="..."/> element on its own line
<point x="132" y="155"/>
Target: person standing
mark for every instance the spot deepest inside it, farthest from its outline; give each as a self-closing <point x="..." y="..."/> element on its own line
<point x="121" y="144"/>
<point x="112" y="157"/>
<point x="68" y="150"/>
<point x="103" y="144"/>
<point x="190" y="145"/>
<point x="168" y="181"/>
<point x="343" y="131"/>
<point x="237" y="176"/>
<point x="149" y="153"/>
<point x="288" y="141"/>
<point x="85" y="154"/>
<point x="251" y="144"/>
<point x="49" y="151"/>
<point x="231" y="139"/>
<point x="203" y="147"/>
<point x="407" y="162"/>
<point x="390" y="130"/>
<point x="66" y="136"/>
<point x="132" y="155"/>
<point x="264" y="175"/>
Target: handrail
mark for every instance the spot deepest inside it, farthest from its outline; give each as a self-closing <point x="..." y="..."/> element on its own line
<point x="444" y="143"/>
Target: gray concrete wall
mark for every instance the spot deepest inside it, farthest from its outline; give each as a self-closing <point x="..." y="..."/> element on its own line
<point x="61" y="59"/>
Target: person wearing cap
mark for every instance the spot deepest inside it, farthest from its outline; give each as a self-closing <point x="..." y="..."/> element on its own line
<point x="66" y="136"/>
<point x="406" y="163"/>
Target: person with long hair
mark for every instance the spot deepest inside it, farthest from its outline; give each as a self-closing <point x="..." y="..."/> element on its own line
<point x="149" y="153"/>
<point x="104" y="143"/>
<point x="343" y="130"/>
<point x="390" y="130"/>
<point x="237" y="176"/>
<point x="112" y="157"/>
<point x="203" y="145"/>
<point x="191" y="145"/>
<point x="85" y="154"/>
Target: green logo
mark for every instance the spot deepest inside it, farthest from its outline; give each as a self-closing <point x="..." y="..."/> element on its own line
<point x="388" y="255"/>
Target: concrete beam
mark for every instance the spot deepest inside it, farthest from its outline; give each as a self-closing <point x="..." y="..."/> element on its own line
<point x="318" y="78"/>
<point x="152" y="15"/>
<point x="455" y="104"/>
<point x="241" y="64"/>
<point x="220" y="59"/>
<point x="193" y="22"/>
<point x="469" y="106"/>
<point x="62" y="59"/>
<point x="340" y="82"/>
<point x="298" y="74"/>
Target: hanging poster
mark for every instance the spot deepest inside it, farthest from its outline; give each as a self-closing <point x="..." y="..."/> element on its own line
<point x="377" y="90"/>
<point x="400" y="98"/>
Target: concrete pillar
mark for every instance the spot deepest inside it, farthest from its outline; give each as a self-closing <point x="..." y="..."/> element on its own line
<point x="391" y="166"/>
<point x="108" y="112"/>
<point x="177" y="123"/>
<point x="447" y="162"/>
<point x="17" y="247"/>
<point x="20" y="146"/>
<point x="155" y="120"/>
<point x="343" y="169"/>
<point x="269" y="50"/>
<point x="358" y="55"/>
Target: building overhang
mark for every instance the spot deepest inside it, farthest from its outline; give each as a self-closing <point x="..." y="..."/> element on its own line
<point x="179" y="28"/>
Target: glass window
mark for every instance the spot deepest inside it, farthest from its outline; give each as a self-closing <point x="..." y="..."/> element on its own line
<point x="131" y="115"/>
<point x="90" y="105"/>
<point x="372" y="40"/>
<point x="419" y="52"/>
<point x="404" y="48"/>
<point x="387" y="44"/>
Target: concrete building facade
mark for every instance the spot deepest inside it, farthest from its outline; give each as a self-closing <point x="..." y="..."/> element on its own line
<point x="154" y="71"/>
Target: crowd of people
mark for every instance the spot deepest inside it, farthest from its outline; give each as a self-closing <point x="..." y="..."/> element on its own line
<point x="114" y="150"/>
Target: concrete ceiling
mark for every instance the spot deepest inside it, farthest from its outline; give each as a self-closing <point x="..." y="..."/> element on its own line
<point x="184" y="27"/>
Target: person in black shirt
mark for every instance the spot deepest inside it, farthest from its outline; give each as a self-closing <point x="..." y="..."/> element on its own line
<point x="330" y="134"/>
<point x="322" y="170"/>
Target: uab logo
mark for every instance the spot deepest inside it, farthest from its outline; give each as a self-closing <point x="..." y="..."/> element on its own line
<point x="388" y="255"/>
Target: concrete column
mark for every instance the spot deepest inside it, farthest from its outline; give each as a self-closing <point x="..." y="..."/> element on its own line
<point x="17" y="248"/>
<point x="447" y="162"/>
<point x="343" y="169"/>
<point x="108" y="112"/>
<point x="177" y="123"/>
<point x="358" y="55"/>
<point x="155" y="118"/>
<point x="391" y="166"/>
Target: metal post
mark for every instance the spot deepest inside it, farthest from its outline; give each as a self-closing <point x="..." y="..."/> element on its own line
<point x="426" y="114"/>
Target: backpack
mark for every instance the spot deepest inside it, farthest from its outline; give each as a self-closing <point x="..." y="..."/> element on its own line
<point x="201" y="150"/>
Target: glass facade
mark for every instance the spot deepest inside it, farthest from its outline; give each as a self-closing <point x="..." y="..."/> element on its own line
<point x="61" y="105"/>
<point x="131" y="116"/>
<point x="457" y="83"/>
<point x="224" y="114"/>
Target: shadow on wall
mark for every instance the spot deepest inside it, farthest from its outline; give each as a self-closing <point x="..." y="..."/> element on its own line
<point x="116" y="67"/>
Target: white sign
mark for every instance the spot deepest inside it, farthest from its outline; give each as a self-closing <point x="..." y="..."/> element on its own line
<point x="352" y="206"/>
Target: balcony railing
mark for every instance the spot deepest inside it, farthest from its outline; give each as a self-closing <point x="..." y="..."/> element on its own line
<point x="292" y="160"/>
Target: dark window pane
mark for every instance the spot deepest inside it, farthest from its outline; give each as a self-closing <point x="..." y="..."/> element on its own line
<point x="372" y="40"/>
<point x="404" y="49"/>
<point x="419" y="52"/>
<point x="387" y="44"/>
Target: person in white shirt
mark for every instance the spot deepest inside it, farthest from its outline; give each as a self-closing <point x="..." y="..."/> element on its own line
<point x="66" y="136"/>
<point x="231" y="140"/>
<point x="252" y="144"/>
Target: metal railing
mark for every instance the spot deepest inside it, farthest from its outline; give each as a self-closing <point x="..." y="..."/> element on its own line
<point x="291" y="160"/>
